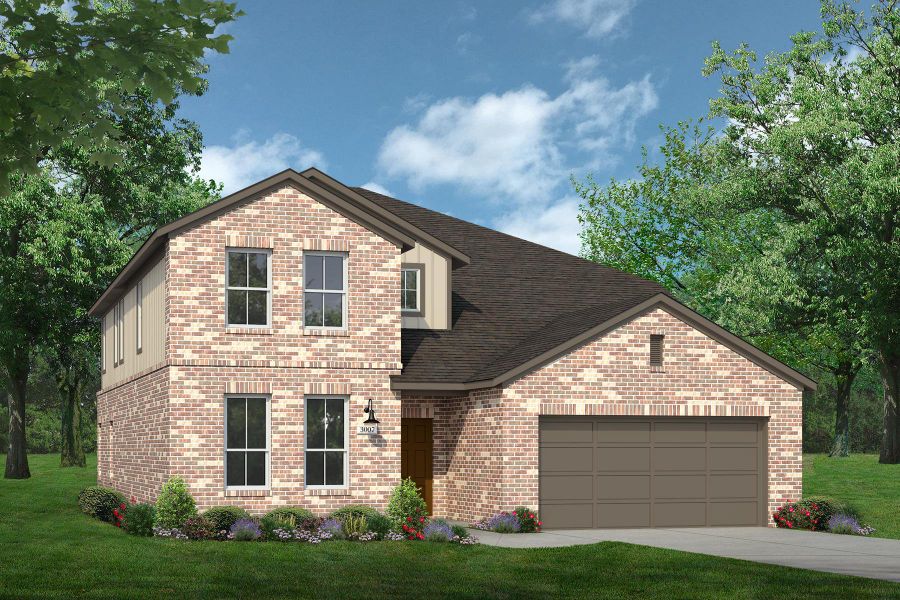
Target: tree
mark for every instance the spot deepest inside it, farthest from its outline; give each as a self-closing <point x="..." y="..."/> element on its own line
<point x="56" y="64"/>
<point x="807" y="154"/>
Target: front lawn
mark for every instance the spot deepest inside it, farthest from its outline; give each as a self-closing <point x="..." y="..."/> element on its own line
<point x="861" y="482"/>
<point x="48" y="549"/>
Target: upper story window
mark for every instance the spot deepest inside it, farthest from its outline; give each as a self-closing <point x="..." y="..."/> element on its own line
<point x="324" y="290"/>
<point x="119" y="324"/>
<point x="139" y="316"/>
<point x="411" y="289"/>
<point x="248" y="293"/>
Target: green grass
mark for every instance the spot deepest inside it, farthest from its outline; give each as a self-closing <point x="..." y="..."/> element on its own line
<point x="48" y="549"/>
<point x="859" y="481"/>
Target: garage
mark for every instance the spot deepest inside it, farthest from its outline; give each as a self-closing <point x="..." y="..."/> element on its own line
<point x="598" y="472"/>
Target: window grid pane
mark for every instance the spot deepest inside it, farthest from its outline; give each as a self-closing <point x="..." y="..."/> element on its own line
<point x="324" y="273"/>
<point x="409" y="285"/>
<point x="325" y="430"/>
<point x="247" y="430"/>
<point x="247" y="288"/>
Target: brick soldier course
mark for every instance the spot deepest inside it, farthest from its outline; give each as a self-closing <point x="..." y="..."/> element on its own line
<point x="510" y="356"/>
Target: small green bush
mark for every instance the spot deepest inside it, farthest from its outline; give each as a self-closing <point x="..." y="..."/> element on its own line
<point x="175" y="504"/>
<point x="100" y="502"/>
<point x="379" y="524"/>
<point x="460" y="531"/>
<point x="528" y="519"/>
<point x="223" y="517"/>
<point x="139" y="519"/>
<point x="354" y="526"/>
<point x="198" y="528"/>
<point x="406" y="503"/>
<point x="355" y="510"/>
<point x="284" y="517"/>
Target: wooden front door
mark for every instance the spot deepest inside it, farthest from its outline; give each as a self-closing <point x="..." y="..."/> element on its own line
<point x="416" y="446"/>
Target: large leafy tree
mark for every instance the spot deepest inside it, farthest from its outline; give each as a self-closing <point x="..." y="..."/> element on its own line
<point x="805" y="160"/>
<point x="72" y="226"/>
<point x="57" y="58"/>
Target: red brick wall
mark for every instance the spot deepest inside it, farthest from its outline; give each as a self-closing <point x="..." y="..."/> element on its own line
<point x="133" y="435"/>
<point x="486" y="443"/>
<point x="612" y="376"/>
<point x="205" y="360"/>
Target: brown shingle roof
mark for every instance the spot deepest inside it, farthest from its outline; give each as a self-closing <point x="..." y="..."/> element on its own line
<point x="515" y="301"/>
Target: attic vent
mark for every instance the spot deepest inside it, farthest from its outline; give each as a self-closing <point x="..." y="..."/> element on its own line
<point x="656" y="350"/>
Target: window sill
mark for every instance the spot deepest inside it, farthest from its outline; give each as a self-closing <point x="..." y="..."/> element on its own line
<point x="238" y="330"/>
<point x="238" y="493"/>
<point x="327" y="332"/>
<point x="328" y="492"/>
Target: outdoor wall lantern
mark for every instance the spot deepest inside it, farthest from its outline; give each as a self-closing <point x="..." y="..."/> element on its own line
<point x="371" y="412"/>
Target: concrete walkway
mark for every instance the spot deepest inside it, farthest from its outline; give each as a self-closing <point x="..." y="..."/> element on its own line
<point x="846" y="554"/>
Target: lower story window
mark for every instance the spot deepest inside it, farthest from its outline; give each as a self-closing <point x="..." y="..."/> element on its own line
<point x="246" y="441"/>
<point x="326" y="442"/>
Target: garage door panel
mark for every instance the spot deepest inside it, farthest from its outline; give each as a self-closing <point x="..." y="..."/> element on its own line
<point x="623" y="515"/>
<point x="567" y="432"/>
<point x="733" y="513"/>
<point x="566" y="516"/>
<point x="623" y="459"/>
<point x="683" y="432"/>
<point x="629" y="432"/>
<point x="623" y="487"/>
<point x="734" y="459"/>
<point x="733" y="486"/>
<point x="652" y="471"/>
<point x="567" y="459"/>
<point x="679" y="486"/>
<point x="679" y="514"/>
<point x="567" y="487"/>
<point x="679" y="459"/>
<point x="733" y="432"/>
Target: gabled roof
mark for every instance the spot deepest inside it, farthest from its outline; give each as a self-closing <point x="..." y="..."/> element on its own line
<point x="313" y="182"/>
<point x="519" y="305"/>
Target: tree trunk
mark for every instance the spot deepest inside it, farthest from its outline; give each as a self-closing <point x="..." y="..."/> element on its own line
<point x="844" y="376"/>
<point x="72" y="450"/>
<point x="17" y="458"/>
<point x="889" y="357"/>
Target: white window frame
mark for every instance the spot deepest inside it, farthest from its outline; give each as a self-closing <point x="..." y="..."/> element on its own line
<point x="139" y="315"/>
<point x="268" y="449"/>
<point x="418" y="272"/>
<point x="345" y="291"/>
<point x="119" y="318"/>
<point x="346" y="449"/>
<point x="103" y="345"/>
<point x="267" y="289"/>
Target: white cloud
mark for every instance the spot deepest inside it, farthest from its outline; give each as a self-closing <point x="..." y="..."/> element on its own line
<point x="515" y="145"/>
<point x="247" y="161"/>
<point x="465" y="42"/>
<point x="377" y="188"/>
<point x="582" y="68"/>
<point x="555" y="225"/>
<point x="597" y="18"/>
<point x="518" y="149"/>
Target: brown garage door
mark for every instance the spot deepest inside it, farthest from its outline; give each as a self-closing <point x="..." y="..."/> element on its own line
<point x="652" y="472"/>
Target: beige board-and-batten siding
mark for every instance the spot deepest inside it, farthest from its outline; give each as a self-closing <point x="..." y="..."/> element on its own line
<point x="435" y="292"/>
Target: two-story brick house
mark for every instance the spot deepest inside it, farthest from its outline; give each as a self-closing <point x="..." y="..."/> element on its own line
<point x="242" y="343"/>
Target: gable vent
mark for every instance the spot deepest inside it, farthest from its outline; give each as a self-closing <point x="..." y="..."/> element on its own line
<point x="656" y="350"/>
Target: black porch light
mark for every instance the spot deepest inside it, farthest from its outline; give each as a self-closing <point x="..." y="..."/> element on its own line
<point x="371" y="412"/>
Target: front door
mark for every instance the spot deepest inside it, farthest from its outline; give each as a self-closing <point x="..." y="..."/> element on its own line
<point x="416" y="446"/>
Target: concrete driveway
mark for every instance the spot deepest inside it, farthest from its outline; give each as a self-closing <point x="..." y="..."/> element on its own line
<point x="846" y="554"/>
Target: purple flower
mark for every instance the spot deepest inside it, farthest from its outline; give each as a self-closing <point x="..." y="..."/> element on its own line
<point x="245" y="530"/>
<point x="438" y="531"/>
<point x="504" y="523"/>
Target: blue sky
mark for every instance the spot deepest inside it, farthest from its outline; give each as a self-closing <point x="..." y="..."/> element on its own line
<point x="482" y="110"/>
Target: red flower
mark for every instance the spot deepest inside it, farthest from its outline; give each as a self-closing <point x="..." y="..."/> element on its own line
<point x="408" y="519"/>
<point x="530" y="516"/>
<point x="421" y="519"/>
<point x="540" y="523"/>
<point x="420" y="535"/>
<point x="412" y="537"/>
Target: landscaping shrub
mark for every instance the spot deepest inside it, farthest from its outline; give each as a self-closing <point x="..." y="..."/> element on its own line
<point x="286" y="517"/>
<point x="847" y="525"/>
<point x="459" y="531"/>
<point x="504" y="522"/>
<point x="354" y="526"/>
<point x="198" y="528"/>
<point x="100" y="502"/>
<point x="331" y="529"/>
<point x="245" y="530"/>
<point x="223" y="517"/>
<point x="175" y="504"/>
<point x="528" y="519"/>
<point x="119" y="514"/>
<point x="354" y="510"/>
<point x="811" y="514"/>
<point x="438" y="530"/>
<point x="407" y="509"/>
<point x="379" y="524"/>
<point x="139" y="519"/>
